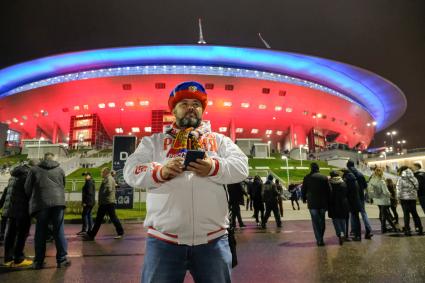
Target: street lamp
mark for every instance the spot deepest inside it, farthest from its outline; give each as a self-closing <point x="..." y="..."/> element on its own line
<point x="268" y="147"/>
<point x="391" y="134"/>
<point x="39" y="144"/>
<point x="401" y="143"/>
<point x="301" y="155"/>
<point x="287" y="169"/>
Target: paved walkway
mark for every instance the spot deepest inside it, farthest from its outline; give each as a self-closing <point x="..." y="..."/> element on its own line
<point x="273" y="255"/>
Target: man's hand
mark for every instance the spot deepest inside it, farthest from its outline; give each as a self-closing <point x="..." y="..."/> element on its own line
<point x="173" y="168"/>
<point x="201" y="167"/>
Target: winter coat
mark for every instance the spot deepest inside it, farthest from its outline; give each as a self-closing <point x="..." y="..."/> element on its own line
<point x="420" y="175"/>
<point x="385" y="197"/>
<point x="316" y="191"/>
<point x="270" y="193"/>
<point x="88" y="193"/>
<point x="45" y="186"/>
<point x="407" y="186"/>
<point x="393" y="197"/>
<point x="354" y="200"/>
<point x="338" y="202"/>
<point x="17" y="200"/>
<point x="361" y="181"/>
<point x="236" y="194"/>
<point x="257" y="191"/>
<point x="5" y="197"/>
<point x="107" y="191"/>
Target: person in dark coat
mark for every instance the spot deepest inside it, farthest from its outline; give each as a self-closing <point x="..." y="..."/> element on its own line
<point x="293" y="189"/>
<point x="393" y="199"/>
<point x="362" y="183"/>
<point x="87" y="201"/>
<point x="257" y="198"/>
<point x="279" y="188"/>
<point x="236" y="198"/>
<point x="419" y="174"/>
<point x="249" y="186"/>
<point x="19" y="221"/>
<point x="3" y="222"/>
<point x="270" y="198"/>
<point x="45" y="187"/>
<point x="316" y="191"/>
<point x="354" y="203"/>
<point x="338" y="205"/>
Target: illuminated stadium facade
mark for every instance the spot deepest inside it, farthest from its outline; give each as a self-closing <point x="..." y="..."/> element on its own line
<point x="286" y="98"/>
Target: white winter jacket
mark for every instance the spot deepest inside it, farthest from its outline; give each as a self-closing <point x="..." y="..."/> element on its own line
<point x="188" y="209"/>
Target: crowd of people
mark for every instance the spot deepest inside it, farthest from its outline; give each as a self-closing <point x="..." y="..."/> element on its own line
<point x="343" y="196"/>
<point x="37" y="191"/>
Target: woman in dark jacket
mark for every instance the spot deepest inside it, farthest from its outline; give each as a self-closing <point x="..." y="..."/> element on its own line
<point x="393" y="199"/>
<point x="338" y="205"/>
<point x="354" y="203"/>
<point x="88" y="201"/>
<point x="257" y="190"/>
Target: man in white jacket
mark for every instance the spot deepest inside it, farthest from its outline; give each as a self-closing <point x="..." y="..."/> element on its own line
<point x="187" y="210"/>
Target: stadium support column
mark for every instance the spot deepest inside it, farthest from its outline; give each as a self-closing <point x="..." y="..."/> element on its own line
<point x="55" y="133"/>
<point x="298" y="135"/>
<point x="232" y="130"/>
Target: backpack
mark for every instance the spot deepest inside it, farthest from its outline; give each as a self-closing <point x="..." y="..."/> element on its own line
<point x="374" y="190"/>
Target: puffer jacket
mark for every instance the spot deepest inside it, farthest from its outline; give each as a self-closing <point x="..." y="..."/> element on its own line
<point x="17" y="200"/>
<point x="188" y="209"/>
<point x="45" y="186"/>
<point x="407" y="186"/>
<point x="385" y="197"/>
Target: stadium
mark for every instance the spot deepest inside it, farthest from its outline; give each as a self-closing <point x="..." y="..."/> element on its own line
<point x="284" y="99"/>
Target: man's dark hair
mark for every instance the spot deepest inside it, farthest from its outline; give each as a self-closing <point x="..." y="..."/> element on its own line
<point x="402" y="168"/>
<point x="350" y="163"/>
<point x="314" y="167"/>
<point x="418" y="165"/>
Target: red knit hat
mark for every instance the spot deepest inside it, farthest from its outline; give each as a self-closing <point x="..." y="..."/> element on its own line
<point x="189" y="90"/>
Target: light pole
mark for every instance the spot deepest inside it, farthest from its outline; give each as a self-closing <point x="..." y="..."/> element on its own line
<point x="301" y="156"/>
<point x="268" y="147"/>
<point x="391" y="134"/>
<point x="38" y="149"/>
<point x="287" y="169"/>
<point x="401" y="143"/>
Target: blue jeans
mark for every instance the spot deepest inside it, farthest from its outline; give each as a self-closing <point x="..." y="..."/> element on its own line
<point x="168" y="263"/>
<point x="87" y="218"/>
<point x="366" y="221"/>
<point x="53" y="215"/>
<point x="339" y="224"/>
<point x="318" y="220"/>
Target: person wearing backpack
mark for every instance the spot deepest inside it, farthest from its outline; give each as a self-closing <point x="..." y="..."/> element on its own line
<point x="377" y="189"/>
<point x="407" y="187"/>
<point x="270" y="198"/>
<point x="420" y="176"/>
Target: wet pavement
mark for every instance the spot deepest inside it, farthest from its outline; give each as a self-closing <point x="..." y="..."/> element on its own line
<point x="289" y="254"/>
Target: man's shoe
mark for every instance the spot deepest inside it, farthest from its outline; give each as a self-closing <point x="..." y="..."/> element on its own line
<point x="82" y="232"/>
<point x="357" y="239"/>
<point x="64" y="263"/>
<point x="37" y="265"/>
<point x="24" y="263"/>
<point x="8" y="263"/>
<point x="117" y="237"/>
<point x="320" y="244"/>
<point x="242" y="226"/>
<point x="368" y="236"/>
<point x="87" y="237"/>
<point x="341" y="240"/>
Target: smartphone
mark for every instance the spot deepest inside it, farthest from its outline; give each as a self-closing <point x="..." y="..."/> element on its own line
<point x="192" y="155"/>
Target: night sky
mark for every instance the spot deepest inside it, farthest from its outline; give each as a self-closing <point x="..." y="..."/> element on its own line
<point x="386" y="37"/>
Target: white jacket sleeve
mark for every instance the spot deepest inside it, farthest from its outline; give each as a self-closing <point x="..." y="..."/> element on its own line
<point x="140" y="171"/>
<point x="231" y="164"/>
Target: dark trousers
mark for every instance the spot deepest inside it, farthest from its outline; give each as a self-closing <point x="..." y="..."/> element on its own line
<point x="87" y="219"/>
<point x="318" y="221"/>
<point x="355" y="224"/>
<point x="104" y="209"/>
<point x="409" y="207"/>
<point x="53" y="215"/>
<point x="296" y="201"/>
<point x="259" y="208"/>
<point x="249" y="203"/>
<point x="3" y="227"/>
<point x="395" y="214"/>
<point x="16" y="235"/>
<point x="422" y="202"/>
<point x="269" y="208"/>
<point x="384" y="216"/>
<point x="236" y="213"/>
<point x="280" y="203"/>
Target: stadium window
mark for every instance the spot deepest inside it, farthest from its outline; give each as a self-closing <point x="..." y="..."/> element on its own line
<point x="126" y="86"/>
<point x="228" y="87"/>
<point x="159" y="85"/>
<point x="266" y="90"/>
<point x="282" y="92"/>
<point x="209" y="86"/>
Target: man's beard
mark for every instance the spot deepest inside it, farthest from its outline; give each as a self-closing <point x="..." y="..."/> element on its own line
<point x="187" y="122"/>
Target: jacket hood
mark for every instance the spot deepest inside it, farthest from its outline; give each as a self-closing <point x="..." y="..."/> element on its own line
<point x="48" y="164"/>
<point x="20" y="170"/>
<point x="336" y="180"/>
<point x="407" y="173"/>
<point x="349" y="176"/>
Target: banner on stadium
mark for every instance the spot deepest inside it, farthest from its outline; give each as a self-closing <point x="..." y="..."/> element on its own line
<point x="123" y="146"/>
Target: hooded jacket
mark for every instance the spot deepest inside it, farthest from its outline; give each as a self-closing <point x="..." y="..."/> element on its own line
<point x="338" y="203"/>
<point x="361" y="181"/>
<point x="316" y="190"/>
<point x="407" y="186"/>
<point x="16" y="205"/>
<point x="45" y="186"/>
<point x="385" y="197"/>
<point x="420" y="175"/>
<point x="188" y="209"/>
<point x="354" y="200"/>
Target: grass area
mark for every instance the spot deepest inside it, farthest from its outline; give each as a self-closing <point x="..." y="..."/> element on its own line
<point x="13" y="159"/>
<point x="95" y="172"/>
<point x="74" y="209"/>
